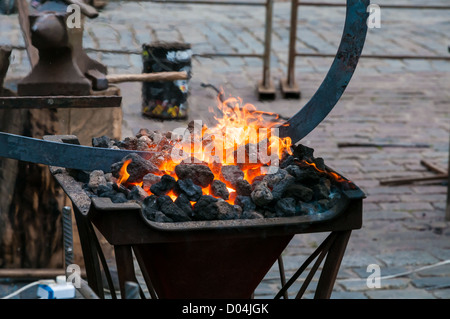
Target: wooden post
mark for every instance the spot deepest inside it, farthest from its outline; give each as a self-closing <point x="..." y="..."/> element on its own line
<point x="30" y="200"/>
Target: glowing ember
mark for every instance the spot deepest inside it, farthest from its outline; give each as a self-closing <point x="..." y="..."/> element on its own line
<point x="335" y="176"/>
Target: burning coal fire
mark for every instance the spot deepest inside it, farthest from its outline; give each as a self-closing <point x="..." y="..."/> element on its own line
<point x="239" y="168"/>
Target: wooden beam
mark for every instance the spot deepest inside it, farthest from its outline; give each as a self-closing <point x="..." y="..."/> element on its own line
<point x="34" y="273"/>
<point x="58" y="102"/>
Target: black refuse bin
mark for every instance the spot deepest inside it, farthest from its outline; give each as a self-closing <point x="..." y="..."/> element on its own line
<point x="166" y="99"/>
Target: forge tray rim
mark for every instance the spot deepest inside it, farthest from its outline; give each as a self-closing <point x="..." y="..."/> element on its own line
<point x="104" y="204"/>
<point x="304" y="220"/>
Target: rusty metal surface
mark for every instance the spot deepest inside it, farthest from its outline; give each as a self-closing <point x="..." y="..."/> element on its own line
<point x="56" y="72"/>
<point x="115" y="223"/>
<point x="54" y="153"/>
<point x="218" y="268"/>
<point x="337" y="78"/>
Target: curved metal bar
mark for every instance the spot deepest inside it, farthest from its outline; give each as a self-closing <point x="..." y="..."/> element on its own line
<point x="337" y="78"/>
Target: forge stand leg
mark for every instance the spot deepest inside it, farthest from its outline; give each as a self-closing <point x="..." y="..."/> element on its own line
<point x="332" y="264"/>
<point x="125" y="269"/>
<point x="288" y="87"/>
<point x="90" y="254"/>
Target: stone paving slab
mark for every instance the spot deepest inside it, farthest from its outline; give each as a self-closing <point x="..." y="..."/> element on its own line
<point x="387" y="101"/>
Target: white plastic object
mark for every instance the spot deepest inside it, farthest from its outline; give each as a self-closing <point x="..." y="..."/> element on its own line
<point x="56" y="290"/>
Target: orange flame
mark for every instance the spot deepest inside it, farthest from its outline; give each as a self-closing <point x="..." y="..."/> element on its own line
<point x="172" y="195"/>
<point x="336" y="177"/>
<point x="123" y="173"/>
<point x="223" y="144"/>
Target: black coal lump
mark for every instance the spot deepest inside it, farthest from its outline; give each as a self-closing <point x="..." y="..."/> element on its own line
<point x="199" y="173"/>
<point x="245" y="202"/>
<point x="243" y="187"/>
<point x="204" y="208"/>
<point x="286" y="207"/>
<point x="185" y="204"/>
<point x="219" y="189"/>
<point x="137" y="168"/>
<point x="191" y="190"/>
<point x="168" y="207"/>
<point x="165" y="185"/>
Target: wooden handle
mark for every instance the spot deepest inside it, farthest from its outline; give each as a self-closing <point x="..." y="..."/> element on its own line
<point x="147" y="77"/>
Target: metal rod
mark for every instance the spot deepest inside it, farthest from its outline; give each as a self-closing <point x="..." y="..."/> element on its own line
<point x="67" y="235"/>
<point x="252" y="55"/>
<point x="313" y="271"/>
<point x="146" y="275"/>
<point x="86" y="291"/>
<point x="103" y="262"/>
<point x="242" y="3"/>
<point x="267" y="44"/>
<point x="332" y="264"/>
<point x="387" y="6"/>
<point x="408" y="180"/>
<point x="433" y="167"/>
<point x="416" y="145"/>
<point x="292" y="42"/>
<point x="310" y="4"/>
<point x="282" y="275"/>
<point x="447" y="210"/>
<point x="232" y="55"/>
<point x="323" y="246"/>
<point x="377" y="56"/>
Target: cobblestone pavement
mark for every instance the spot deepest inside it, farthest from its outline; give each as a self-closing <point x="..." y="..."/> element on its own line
<point x="388" y="101"/>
